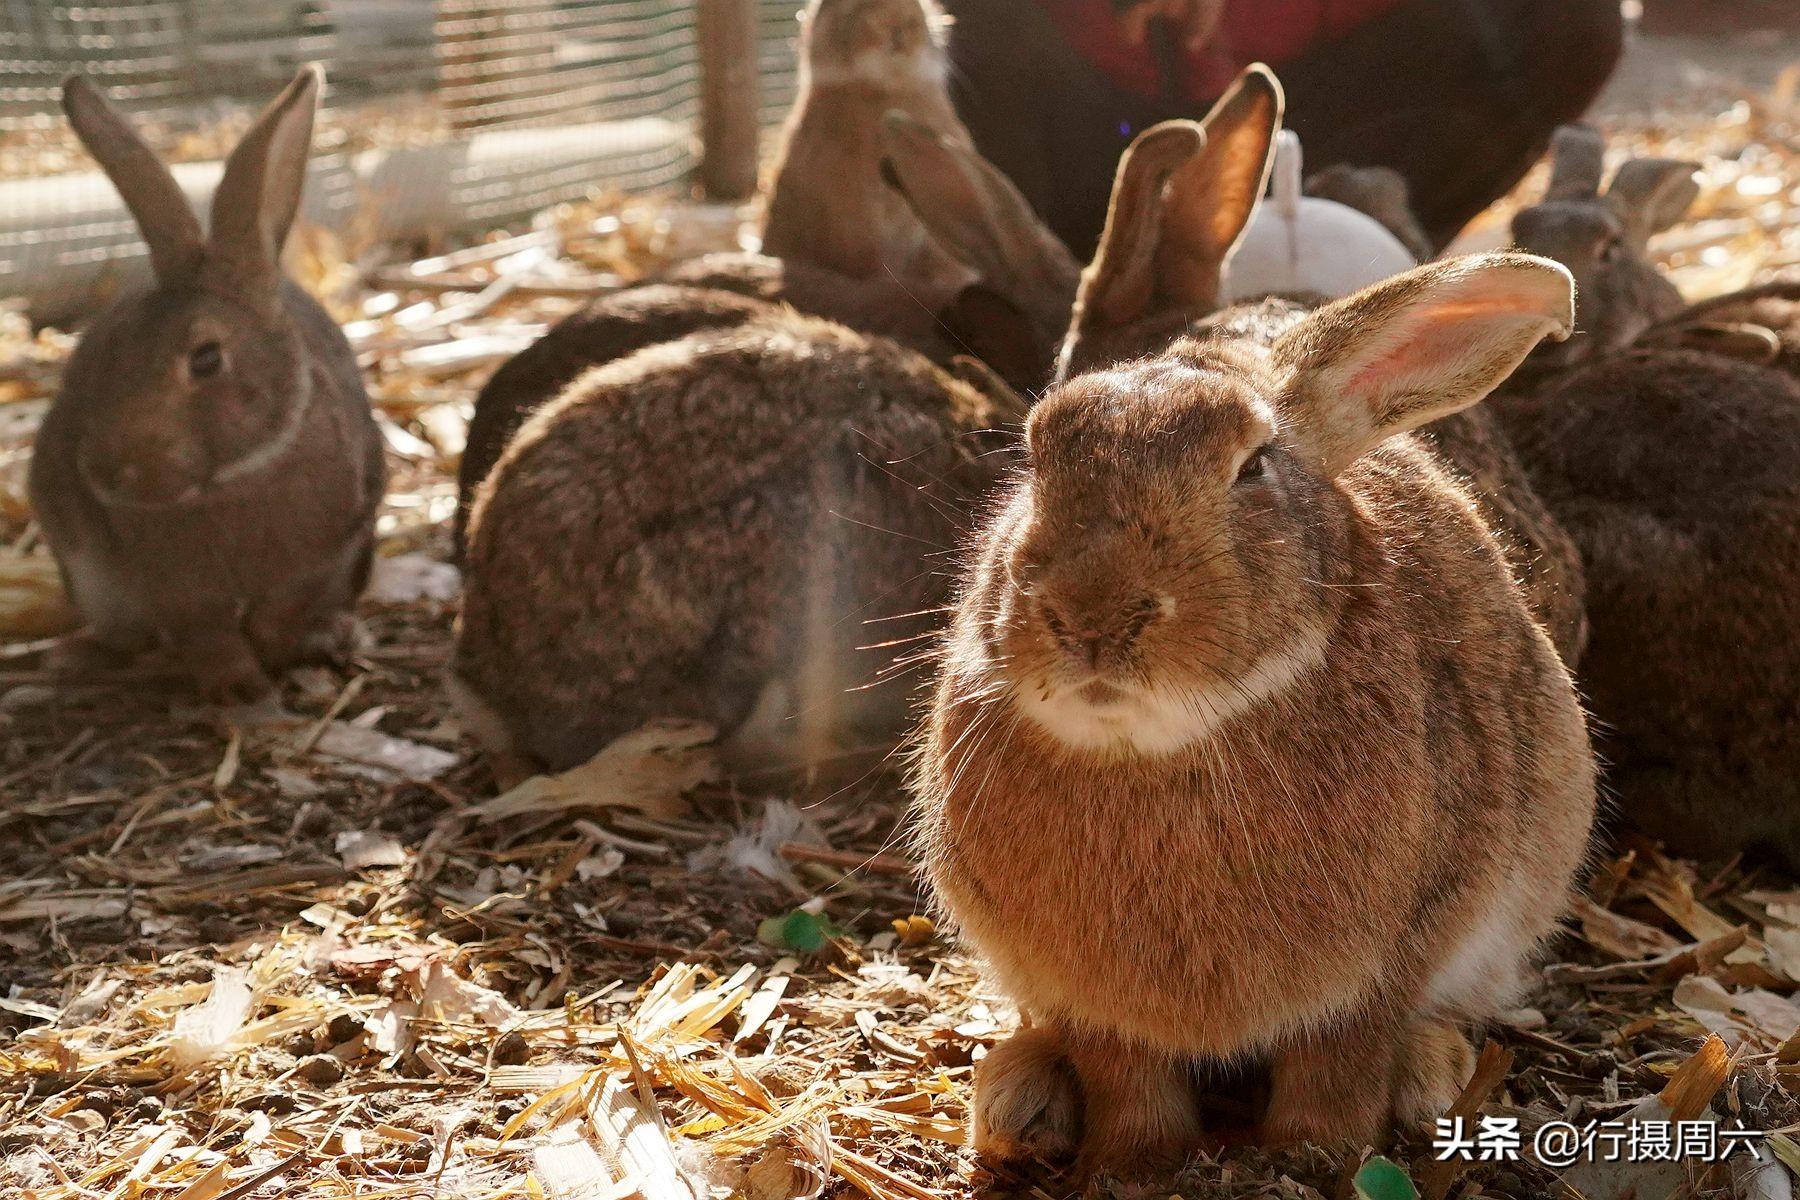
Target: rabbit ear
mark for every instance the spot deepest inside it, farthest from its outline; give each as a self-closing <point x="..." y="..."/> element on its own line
<point x="973" y="211"/>
<point x="1417" y="347"/>
<point x="149" y="190"/>
<point x="260" y="192"/>
<point x="1577" y="158"/>
<point x="1119" y="286"/>
<point x="1212" y="197"/>
<point x="1654" y="193"/>
<point x="1182" y="198"/>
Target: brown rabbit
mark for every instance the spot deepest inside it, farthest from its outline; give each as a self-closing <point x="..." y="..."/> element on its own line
<point x="828" y="203"/>
<point x="1603" y="238"/>
<point x="1678" y="474"/>
<point x="1009" y="312"/>
<point x="705" y="529"/>
<point x="208" y="476"/>
<point x="1232" y="591"/>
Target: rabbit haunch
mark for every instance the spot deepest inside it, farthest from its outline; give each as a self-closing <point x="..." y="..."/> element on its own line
<point x="715" y="521"/>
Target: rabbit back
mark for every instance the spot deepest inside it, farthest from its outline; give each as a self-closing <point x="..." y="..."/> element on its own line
<point x="711" y="517"/>
<point x="1678" y="475"/>
<point x="603" y="330"/>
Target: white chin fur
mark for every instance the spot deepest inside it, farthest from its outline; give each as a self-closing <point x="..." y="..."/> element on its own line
<point x="1163" y="720"/>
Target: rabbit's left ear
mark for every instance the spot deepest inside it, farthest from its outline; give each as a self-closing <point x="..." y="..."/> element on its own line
<point x="1182" y="197"/>
<point x="1417" y="347"/>
<point x="1577" y="160"/>
<point x="260" y="192"/>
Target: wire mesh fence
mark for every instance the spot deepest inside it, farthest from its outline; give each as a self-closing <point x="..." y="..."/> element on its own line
<point x="439" y="115"/>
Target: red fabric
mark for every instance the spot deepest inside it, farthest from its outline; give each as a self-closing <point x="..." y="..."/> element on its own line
<point x="1270" y="31"/>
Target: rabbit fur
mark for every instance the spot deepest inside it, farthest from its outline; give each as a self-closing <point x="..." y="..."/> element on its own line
<point x="1325" y="827"/>
<point x="710" y="529"/>
<point x="208" y="475"/>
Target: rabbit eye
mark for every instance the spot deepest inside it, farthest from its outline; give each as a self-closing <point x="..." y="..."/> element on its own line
<point x="1255" y="467"/>
<point x="1611" y="251"/>
<point x="206" y="360"/>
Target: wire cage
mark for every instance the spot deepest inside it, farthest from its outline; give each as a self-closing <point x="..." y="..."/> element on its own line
<point x="439" y="115"/>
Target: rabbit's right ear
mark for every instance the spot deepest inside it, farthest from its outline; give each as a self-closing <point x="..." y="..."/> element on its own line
<point x="1417" y="347"/>
<point x="1654" y="193"/>
<point x="145" y="184"/>
<point x="1577" y="160"/>
<point x="1212" y="198"/>
<point x="260" y="192"/>
<point x="1182" y="198"/>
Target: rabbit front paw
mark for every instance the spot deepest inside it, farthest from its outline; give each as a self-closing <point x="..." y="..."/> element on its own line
<point x="1027" y="1100"/>
<point x="1435" y="1065"/>
<point x="332" y="642"/>
<point x="225" y="670"/>
<point x="1323" y="1089"/>
<point x="1142" y="1114"/>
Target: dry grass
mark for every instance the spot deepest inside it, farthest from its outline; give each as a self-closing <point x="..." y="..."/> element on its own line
<point x="301" y="953"/>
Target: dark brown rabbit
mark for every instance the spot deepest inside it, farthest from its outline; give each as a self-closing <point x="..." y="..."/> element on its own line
<point x="842" y="238"/>
<point x="709" y="529"/>
<point x="1678" y="474"/>
<point x="1603" y="237"/>
<point x="1234" y="591"/>
<point x="208" y="475"/>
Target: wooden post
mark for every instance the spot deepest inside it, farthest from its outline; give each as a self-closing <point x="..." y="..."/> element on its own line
<point x="729" y="124"/>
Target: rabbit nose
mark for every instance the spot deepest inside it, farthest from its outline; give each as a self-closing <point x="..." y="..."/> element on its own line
<point x="1086" y="647"/>
<point x="1093" y="643"/>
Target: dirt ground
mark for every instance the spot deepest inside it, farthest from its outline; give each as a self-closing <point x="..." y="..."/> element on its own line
<point x="304" y="951"/>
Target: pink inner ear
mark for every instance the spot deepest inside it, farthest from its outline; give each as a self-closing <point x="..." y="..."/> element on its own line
<point x="1437" y="332"/>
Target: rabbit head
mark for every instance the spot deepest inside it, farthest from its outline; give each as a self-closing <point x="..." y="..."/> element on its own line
<point x="1603" y="238"/>
<point x="876" y="41"/>
<point x="207" y="379"/>
<point x="1016" y="309"/>
<point x="1177" y="507"/>
<point x="1182" y="197"/>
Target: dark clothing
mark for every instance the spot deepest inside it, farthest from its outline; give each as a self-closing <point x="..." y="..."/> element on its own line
<point x="1459" y="96"/>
